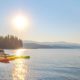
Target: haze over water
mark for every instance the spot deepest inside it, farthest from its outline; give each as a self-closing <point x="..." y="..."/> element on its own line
<point x="44" y="64"/>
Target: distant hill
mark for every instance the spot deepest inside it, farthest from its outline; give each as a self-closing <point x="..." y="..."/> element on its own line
<point x="50" y="45"/>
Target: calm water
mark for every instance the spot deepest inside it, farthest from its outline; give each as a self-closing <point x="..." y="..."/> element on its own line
<point x="44" y="64"/>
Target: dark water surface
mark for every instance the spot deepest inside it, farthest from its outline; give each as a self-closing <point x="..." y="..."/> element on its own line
<point x="44" y="64"/>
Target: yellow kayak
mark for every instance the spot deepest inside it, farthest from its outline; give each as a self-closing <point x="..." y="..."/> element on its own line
<point x="10" y="58"/>
<point x="17" y="57"/>
<point x="6" y="57"/>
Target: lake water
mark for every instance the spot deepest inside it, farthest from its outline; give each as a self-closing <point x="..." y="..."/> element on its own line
<point x="44" y="64"/>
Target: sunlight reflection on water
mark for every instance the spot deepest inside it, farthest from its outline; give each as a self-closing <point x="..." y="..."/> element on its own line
<point x="20" y="69"/>
<point x="19" y="52"/>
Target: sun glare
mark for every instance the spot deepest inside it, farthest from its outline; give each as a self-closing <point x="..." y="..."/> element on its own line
<point x="19" y="52"/>
<point x="20" y="22"/>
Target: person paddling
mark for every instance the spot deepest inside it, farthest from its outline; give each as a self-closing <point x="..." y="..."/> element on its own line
<point x="3" y="56"/>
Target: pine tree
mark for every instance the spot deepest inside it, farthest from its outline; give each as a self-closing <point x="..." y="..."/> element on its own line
<point x="10" y="42"/>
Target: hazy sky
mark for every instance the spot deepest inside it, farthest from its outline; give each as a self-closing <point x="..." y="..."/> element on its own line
<point x="51" y="20"/>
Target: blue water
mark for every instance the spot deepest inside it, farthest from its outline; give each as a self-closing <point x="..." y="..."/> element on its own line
<point x="44" y="64"/>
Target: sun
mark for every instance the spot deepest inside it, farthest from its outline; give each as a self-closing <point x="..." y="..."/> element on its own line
<point x="20" y="22"/>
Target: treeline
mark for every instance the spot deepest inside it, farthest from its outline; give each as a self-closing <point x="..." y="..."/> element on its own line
<point x="10" y="42"/>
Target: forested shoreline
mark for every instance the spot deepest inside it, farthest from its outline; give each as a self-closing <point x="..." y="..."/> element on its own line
<point x="10" y="42"/>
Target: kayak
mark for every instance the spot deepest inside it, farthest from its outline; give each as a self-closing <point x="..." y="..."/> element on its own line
<point x="4" y="60"/>
<point x="10" y="58"/>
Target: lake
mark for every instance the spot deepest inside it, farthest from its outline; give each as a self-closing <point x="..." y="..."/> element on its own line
<point x="44" y="64"/>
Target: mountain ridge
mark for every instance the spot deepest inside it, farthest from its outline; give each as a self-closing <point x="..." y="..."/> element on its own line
<point x="61" y="45"/>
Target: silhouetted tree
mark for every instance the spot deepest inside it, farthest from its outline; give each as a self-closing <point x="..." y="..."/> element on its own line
<point x="10" y="42"/>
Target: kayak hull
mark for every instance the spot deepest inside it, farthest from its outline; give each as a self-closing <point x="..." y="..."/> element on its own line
<point x="10" y="58"/>
<point x="4" y="60"/>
